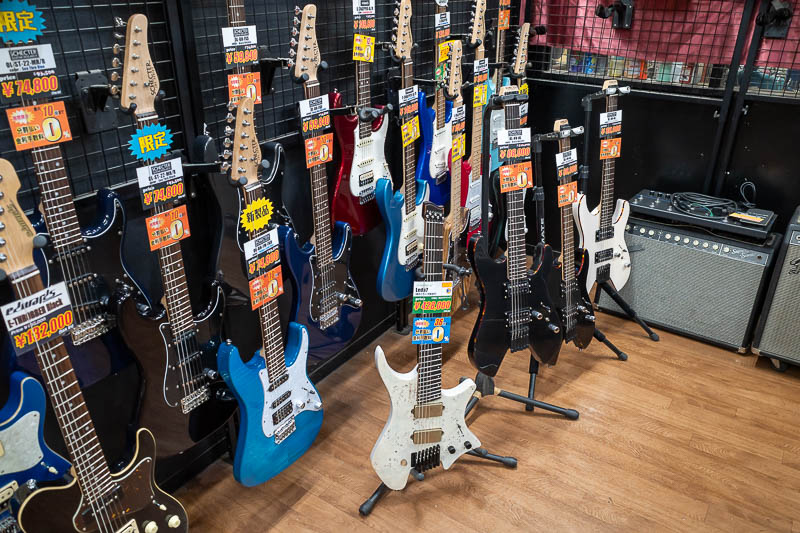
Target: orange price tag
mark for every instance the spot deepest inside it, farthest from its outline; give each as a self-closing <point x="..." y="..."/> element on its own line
<point x="568" y="193"/>
<point x="266" y="287"/>
<point x="244" y="84"/>
<point x="167" y="228"/>
<point x="319" y="150"/>
<point x="410" y="131"/>
<point x="515" y="177"/>
<point x="39" y="125"/>
<point x="504" y="19"/>
<point x="610" y="148"/>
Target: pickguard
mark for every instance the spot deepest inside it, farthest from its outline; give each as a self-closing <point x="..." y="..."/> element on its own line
<point x="369" y="163"/>
<point x="442" y="142"/>
<point x="20" y="445"/>
<point x="473" y="202"/>
<point x="410" y="243"/>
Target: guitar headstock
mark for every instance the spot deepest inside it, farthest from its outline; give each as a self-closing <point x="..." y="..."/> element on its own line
<point x="16" y="248"/>
<point x="402" y="39"/>
<point x="140" y="84"/>
<point x="246" y="159"/>
<point x="432" y="212"/>
<point x="455" y="80"/>
<point x="477" y="29"/>
<point x="304" y="54"/>
<point x="561" y="126"/>
<point x="521" y="51"/>
<point x="610" y="86"/>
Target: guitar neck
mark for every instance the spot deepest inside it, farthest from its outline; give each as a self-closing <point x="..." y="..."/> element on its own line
<point x="91" y="468"/>
<point x="319" y="197"/>
<point x="410" y="151"/>
<point x="363" y="95"/>
<point x="429" y="356"/>
<point x="440" y="98"/>
<point x="455" y="181"/>
<point x="607" y="188"/>
<point x="236" y="17"/>
<point x="477" y="127"/>
<point x="516" y="267"/>
<point x="499" y="57"/>
<point x="567" y="229"/>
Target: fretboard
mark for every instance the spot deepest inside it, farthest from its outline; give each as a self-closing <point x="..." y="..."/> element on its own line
<point x="363" y="96"/>
<point x="477" y="127"/>
<point x="516" y="267"/>
<point x="319" y="198"/>
<point x="499" y="57"/>
<point x="440" y="98"/>
<point x="429" y="356"/>
<point x="455" y="183"/>
<point x="567" y="229"/>
<point x="410" y="151"/>
<point x="607" y="189"/>
<point x="91" y="468"/>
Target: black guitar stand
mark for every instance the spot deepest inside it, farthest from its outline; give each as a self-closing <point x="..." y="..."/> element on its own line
<point x="583" y="187"/>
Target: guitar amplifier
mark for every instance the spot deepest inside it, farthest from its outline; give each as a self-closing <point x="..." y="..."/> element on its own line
<point x="686" y="280"/>
<point x="776" y="333"/>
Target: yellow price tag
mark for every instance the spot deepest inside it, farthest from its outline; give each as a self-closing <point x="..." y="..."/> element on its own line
<point x="410" y="131"/>
<point x="363" y="48"/>
<point x="523" y="89"/>
<point x="444" y="51"/>
<point x="479" y="95"/>
<point x="459" y="147"/>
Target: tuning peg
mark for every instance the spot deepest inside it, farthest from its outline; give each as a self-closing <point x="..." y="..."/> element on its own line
<point x="113" y="90"/>
<point x="229" y="118"/>
<point x="231" y="107"/>
<point x="116" y="49"/>
<point x="118" y="36"/>
<point x="292" y="53"/>
<point x="394" y="38"/>
<point x="116" y="63"/>
<point x="290" y="63"/>
<point x="114" y="76"/>
<point x="295" y="32"/>
<point x="296" y="21"/>
<point x="225" y="167"/>
<point x="395" y="21"/>
<point x="293" y="42"/>
<point x="228" y="131"/>
<point x="297" y="10"/>
<point x="227" y="142"/>
<point x="119" y="23"/>
<point x="226" y="154"/>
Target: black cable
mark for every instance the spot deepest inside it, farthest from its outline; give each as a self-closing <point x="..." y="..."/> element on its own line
<point x="702" y="205"/>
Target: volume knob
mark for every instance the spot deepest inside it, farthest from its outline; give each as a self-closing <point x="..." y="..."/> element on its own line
<point x="150" y="527"/>
<point x="173" y="521"/>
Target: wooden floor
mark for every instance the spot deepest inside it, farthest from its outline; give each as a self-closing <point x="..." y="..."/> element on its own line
<point x="681" y="437"/>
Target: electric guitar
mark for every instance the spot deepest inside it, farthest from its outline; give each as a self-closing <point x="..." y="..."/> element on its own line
<point x="178" y="401"/>
<point x="568" y="282"/>
<point x="281" y="412"/>
<point x="26" y="456"/>
<point x="497" y="118"/>
<point x="95" y="500"/>
<point x="601" y="231"/>
<point x="363" y="158"/>
<point x="516" y="311"/>
<point x="401" y="210"/>
<point x="426" y="424"/>
<point x="325" y="298"/>
<point x="437" y="137"/>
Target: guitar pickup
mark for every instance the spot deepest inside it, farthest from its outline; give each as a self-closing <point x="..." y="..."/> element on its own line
<point x="366" y="178"/>
<point x="411" y="247"/>
<point x="278" y="382"/>
<point x="366" y="163"/>
<point x="428" y="411"/>
<point x="283" y="397"/>
<point x="363" y="199"/>
<point x="285" y="431"/>
<point x="7" y="492"/>
<point x="427" y="436"/>
<point x="281" y="414"/>
<point x="605" y="233"/>
<point x="604" y="255"/>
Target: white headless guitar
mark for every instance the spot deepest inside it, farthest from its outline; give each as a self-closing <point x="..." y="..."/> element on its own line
<point x="369" y="162"/>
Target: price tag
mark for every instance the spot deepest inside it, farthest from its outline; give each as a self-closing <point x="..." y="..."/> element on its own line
<point x="38" y="318"/>
<point x="314" y="115"/>
<point x="28" y="71"/>
<point x="262" y="253"/>
<point x="479" y="95"/>
<point x="523" y="89"/>
<point x="20" y="22"/>
<point x="39" y="125"/>
<point x="161" y="183"/>
<point x="442" y="26"/>
<point x="480" y="88"/>
<point x="246" y="84"/>
<point x="241" y="46"/>
<point x="409" y="101"/>
<point x="256" y="215"/>
<point x="611" y="123"/>
<point x="167" y="228"/>
<point x="610" y="148"/>
<point x="363" y="48"/>
<point x="514" y="145"/>
<point x="26" y="58"/>
<point x="266" y="287"/>
<point x="516" y="176"/>
<point x="431" y="330"/>
<point x="459" y="124"/>
<point x="151" y="142"/>
<point x="364" y="16"/>
<point x="319" y="150"/>
<point x="504" y="15"/>
<point x="410" y="131"/>
<point x="567" y="163"/>
<point x="567" y="193"/>
<point x="432" y="297"/>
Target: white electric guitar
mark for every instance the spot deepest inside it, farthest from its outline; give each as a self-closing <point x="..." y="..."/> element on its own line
<point x="602" y="230"/>
<point x="426" y="424"/>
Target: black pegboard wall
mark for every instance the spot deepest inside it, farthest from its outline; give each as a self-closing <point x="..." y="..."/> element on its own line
<point x="81" y="33"/>
<point x="777" y="63"/>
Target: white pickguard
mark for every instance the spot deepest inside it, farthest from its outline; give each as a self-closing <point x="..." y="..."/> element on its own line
<point x="411" y="232"/>
<point x="368" y="156"/>
<point x="303" y="396"/>
<point x="473" y="202"/>
<point x="20" y="445"/>
<point x="391" y="456"/>
<point x="440" y="148"/>
<point x="588" y="224"/>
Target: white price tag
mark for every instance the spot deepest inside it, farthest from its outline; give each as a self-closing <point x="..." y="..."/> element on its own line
<point x="567" y="158"/>
<point x="363" y="8"/>
<point x="159" y="172"/>
<point x="261" y="244"/>
<point x="26" y="59"/>
<point x="239" y="36"/>
<point x="408" y="95"/>
<point x="442" y="20"/>
<point x="481" y="66"/>
<point x="514" y="136"/>
<point x="314" y="106"/>
<point x="424" y="289"/>
<point x="459" y="113"/>
<point x="612" y="117"/>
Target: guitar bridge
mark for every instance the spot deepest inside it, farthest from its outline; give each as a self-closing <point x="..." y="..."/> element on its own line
<point x="130" y="527"/>
<point x="195" y="398"/>
<point x="603" y="273"/>
<point x="89" y="329"/>
<point x="425" y="459"/>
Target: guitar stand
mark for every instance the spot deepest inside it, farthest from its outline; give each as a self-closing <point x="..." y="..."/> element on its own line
<point x="612" y="292"/>
<point x="366" y="508"/>
<point x="599" y="335"/>
<point x="486" y="387"/>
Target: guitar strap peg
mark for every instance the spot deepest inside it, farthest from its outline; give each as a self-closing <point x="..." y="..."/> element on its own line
<point x="39" y="241"/>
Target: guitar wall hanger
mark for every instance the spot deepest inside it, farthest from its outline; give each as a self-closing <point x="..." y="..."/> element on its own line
<point x="94" y="94"/>
<point x="365" y="114"/>
<point x="268" y="65"/>
<point x="620" y="10"/>
<point x="132" y="107"/>
<point x="777" y="20"/>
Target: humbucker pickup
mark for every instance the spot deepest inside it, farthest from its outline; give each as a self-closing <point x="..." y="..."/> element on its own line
<point x="411" y="247"/>
<point x="284" y="432"/>
<point x="604" y="234"/>
<point x="283" y="397"/>
<point x="366" y="178"/>
<point x="428" y="411"/>
<point x="518" y="287"/>
<point x="363" y="199"/>
<point x="278" y="382"/>
<point x="603" y="255"/>
<point x="427" y="436"/>
<point x="195" y="398"/>
<point x="281" y="414"/>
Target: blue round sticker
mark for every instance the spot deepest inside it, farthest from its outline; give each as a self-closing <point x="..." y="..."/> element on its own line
<point x="151" y="142"/>
<point x="20" y="22"/>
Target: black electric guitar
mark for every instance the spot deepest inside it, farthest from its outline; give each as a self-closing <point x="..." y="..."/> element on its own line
<point x="95" y="500"/>
<point x="568" y="282"/>
<point x="516" y="312"/>
<point x="175" y="349"/>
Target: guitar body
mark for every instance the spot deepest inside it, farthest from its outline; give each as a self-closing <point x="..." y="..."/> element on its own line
<point x="258" y="456"/>
<point x="323" y="343"/>
<point x="433" y="163"/>
<point x="615" y="262"/>
<point x="497" y="121"/>
<point x="491" y="336"/>
<point x="396" y="273"/>
<point x="363" y="163"/>
<point x="63" y="509"/>
<point x="391" y="456"/>
<point x="147" y="333"/>
<point x="25" y="453"/>
<point x="583" y="332"/>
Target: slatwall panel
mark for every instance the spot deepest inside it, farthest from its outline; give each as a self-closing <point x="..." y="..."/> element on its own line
<point x="82" y="34"/>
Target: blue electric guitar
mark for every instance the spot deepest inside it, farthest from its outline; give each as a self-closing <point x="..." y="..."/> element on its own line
<point x="281" y="412"/>
<point x="325" y="297"/>
<point x="25" y="454"/>
<point x="401" y="210"/>
<point x="437" y="138"/>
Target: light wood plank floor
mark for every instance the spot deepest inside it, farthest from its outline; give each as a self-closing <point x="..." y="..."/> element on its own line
<point x="681" y="437"/>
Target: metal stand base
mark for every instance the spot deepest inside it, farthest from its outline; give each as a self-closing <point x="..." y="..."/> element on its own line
<point x="612" y="292"/>
<point x="366" y="507"/>
<point x="599" y="335"/>
<point x="486" y="387"/>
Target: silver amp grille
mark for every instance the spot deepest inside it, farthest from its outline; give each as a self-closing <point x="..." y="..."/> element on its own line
<point x="685" y="282"/>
